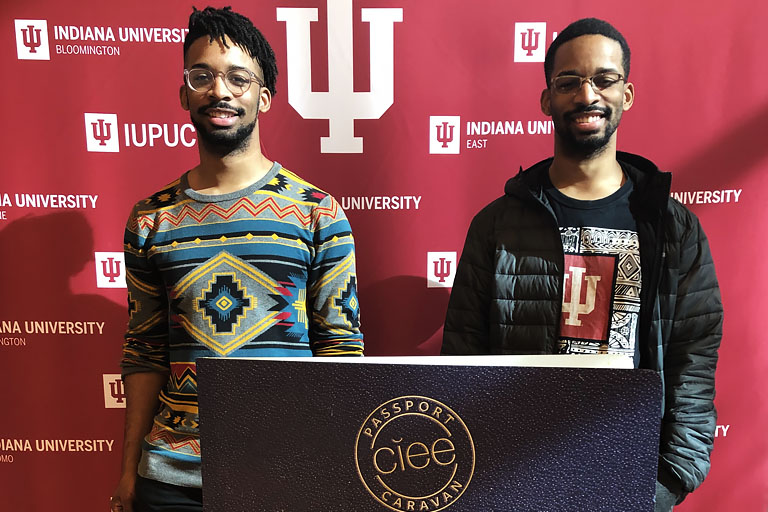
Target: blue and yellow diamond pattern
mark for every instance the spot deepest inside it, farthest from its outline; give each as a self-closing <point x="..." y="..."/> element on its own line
<point x="225" y="302"/>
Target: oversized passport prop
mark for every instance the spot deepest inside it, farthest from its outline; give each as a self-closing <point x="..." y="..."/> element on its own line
<point x="309" y="435"/>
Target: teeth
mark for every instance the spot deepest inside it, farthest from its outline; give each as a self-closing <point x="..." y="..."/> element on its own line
<point x="220" y="114"/>
<point x="587" y="119"/>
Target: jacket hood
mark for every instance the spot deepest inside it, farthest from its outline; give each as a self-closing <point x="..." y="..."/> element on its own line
<point x="648" y="180"/>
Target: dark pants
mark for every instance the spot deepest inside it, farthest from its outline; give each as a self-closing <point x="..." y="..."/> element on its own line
<point x="154" y="496"/>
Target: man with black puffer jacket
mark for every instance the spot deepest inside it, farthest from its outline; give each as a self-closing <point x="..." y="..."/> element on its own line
<point x="587" y="253"/>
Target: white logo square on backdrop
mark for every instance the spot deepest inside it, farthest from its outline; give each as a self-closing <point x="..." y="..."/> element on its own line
<point x="110" y="269"/>
<point x="441" y="269"/>
<point x="530" y="41"/>
<point x="32" y="40"/>
<point x="101" y="133"/>
<point x="444" y="135"/>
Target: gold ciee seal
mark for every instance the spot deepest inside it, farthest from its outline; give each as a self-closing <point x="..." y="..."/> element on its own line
<point x="415" y="453"/>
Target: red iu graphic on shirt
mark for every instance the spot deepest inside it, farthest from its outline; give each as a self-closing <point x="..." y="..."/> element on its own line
<point x="588" y="285"/>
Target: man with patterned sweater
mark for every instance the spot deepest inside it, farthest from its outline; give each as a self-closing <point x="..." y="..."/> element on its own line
<point x="587" y="253"/>
<point x="238" y="257"/>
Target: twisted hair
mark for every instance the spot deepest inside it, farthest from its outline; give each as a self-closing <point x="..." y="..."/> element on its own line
<point x="583" y="27"/>
<point x="217" y="23"/>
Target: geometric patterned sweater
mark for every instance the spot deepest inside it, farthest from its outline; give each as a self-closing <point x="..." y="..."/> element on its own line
<point x="265" y="271"/>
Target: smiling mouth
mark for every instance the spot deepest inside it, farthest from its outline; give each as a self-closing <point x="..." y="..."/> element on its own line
<point x="221" y="114"/>
<point x="586" y="118"/>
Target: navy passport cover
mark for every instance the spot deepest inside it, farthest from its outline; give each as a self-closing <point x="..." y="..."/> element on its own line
<point x="296" y="436"/>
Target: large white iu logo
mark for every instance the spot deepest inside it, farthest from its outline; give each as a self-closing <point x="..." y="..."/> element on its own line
<point x="340" y="105"/>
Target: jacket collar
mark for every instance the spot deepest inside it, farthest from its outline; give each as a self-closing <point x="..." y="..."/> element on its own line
<point x="652" y="186"/>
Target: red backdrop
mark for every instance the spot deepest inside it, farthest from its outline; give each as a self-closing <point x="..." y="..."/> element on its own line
<point x="701" y="111"/>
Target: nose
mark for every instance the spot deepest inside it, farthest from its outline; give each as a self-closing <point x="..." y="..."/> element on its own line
<point x="219" y="88"/>
<point x="586" y="94"/>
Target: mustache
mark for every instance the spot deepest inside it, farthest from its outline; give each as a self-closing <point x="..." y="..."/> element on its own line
<point x="221" y="105"/>
<point x="605" y="111"/>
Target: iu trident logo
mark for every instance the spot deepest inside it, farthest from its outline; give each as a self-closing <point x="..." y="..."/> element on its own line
<point x="441" y="269"/>
<point x="341" y="105"/>
<point x="587" y="294"/>
<point x="101" y="133"/>
<point x="114" y="391"/>
<point x="32" y="40"/>
<point x="444" y="135"/>
<point x="110" y="269"/>
<point x="529" y="41"/>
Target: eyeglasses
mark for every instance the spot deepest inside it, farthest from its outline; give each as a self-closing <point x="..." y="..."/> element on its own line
<point x="238" y="81"/>
<point x="569" y="84"/>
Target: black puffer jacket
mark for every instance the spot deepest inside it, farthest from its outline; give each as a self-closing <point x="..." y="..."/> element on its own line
<point x="507" y="298"/>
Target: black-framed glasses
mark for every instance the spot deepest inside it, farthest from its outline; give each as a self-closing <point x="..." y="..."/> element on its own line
<point x="238" y="81"/>
<point x="569" y="84"/>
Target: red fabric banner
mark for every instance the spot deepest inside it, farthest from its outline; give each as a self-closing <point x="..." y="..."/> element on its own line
<point x="413" y="116"/>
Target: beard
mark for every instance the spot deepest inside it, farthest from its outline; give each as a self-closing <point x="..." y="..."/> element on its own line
<point x="224" y="141"/>
<point x="589" y="145"/>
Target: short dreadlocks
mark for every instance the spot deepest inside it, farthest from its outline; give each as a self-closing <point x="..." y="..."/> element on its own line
<point x="217" y="23"/>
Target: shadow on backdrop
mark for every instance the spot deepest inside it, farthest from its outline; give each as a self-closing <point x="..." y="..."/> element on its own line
<point x="55" y="381"/>
<point x="40" y="254"/>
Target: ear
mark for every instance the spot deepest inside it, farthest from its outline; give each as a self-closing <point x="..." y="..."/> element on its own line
<point x="184" y="97"/>
<point x="265" y="100"/>
<point x="629" y="96"/>
<point x="546" y="96"/>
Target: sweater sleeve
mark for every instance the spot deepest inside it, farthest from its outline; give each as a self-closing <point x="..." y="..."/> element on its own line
<point x="332" y="285"/>
<point x="146" y="339"/>
<point x="688" y="425"/>
<point x="466" y="328"/>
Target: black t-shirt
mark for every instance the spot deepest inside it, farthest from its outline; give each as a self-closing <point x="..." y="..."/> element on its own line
<point x="601" y="286"/>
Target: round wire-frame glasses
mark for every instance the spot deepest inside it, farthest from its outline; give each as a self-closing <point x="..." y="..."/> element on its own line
<point x="237" y="81"/>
